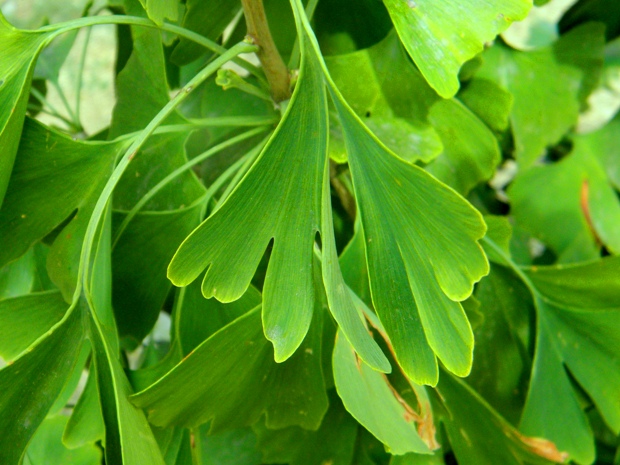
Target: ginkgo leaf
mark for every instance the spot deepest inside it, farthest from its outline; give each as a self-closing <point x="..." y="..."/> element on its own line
<point x="20" y="51"/>
<point x="480" y="436"/>
<point x="142" y="252"/>
<point x="234" y="380"/>
<point x="86" y="422"/>
<point x="53" y="177"/>
<point x="24" y="319"/>
<point x="576" y="209"/>
<point x="578" y="308"/>
<point x="441" y="36"/>
<point x="394" y="101"/>
<point x="206" y="18"/>
<point x="416" y="282"/>
<point x="369" y="397"/>
<point x="159" y="10"/>
<point x="333" y="443"/>
<point x="128" y="437"/>
<point x="557" y="76"/>
<point x="279" y="199"/>
<point x="420" y="265"/>
<point x="34" y="380"/>
<point x="47" y="447"/>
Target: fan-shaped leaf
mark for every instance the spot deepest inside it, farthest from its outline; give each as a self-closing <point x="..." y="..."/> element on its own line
<point x="441" y="36"/>
<point x="279" y="199"/>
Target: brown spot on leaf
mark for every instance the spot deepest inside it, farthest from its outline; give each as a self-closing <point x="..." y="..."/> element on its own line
<point x="544" y="448"/>
<point x="585" y="208"/>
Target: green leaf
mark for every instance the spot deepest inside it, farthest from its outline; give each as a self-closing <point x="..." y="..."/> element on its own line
<point x="34" y="380"/>
<point x="53" y="176"/>
<point x="159" y="10"/>
<point x="426" y="277"/>
<point x="369" y="397"/>
<point x="231" y="447"/>
<point x="395" y="95"/>
<point x="140" y="258"/>
<point x="20" y="51"/>
<point x="361" y="79"/>
<point x="142" y="253"/>
<point x="501" y="356"/>
<point x="24" y="319"/>
<point x="480" y="436"/>
<point x="235" y="371"/>
<point x="333" y="443"/>
<point x="47" y="447"/>
<point x="128" y="436"/>
<point x="558" y="76"/>
<point x="18" y="278"/>
<point x="472" y="154"/>
<point x="206" y="18"/>
<point x="86" y="422"/>
<point x="200" y="318"/>
<point x="441" y="36"/>
<point x="575" y="209"/>
<point x="418" y="459"/>
<point x="489" y="102"/>
<point x="279" y="199"/>
<point x="341" y="301"/>
<point x="577" y="333"/>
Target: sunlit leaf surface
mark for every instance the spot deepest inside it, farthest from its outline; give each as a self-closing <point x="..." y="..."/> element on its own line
<point x="441" y="36"/>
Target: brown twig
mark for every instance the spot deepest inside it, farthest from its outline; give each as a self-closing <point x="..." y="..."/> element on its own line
<point x="273" y="65"/>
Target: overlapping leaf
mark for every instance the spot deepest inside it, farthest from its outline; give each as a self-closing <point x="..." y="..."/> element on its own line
<point x="369" y="397"/>
<point x="479" y="436"/>
<point x="416" y="283"/>
<point x="86" y="422"/>
<point x="557" y="76"/>
<point x="279" y="199"/>
<point x="142" y="253"/>
<point x="578" y="327"/>
<point x="395" y="102"/>
<point x="238" y="381"/>
<point x="20" y="51"/>
<point x="575" y="209"/>
<point x="47" y="447"/>
<point x="577" y="309"/>
<point x="123" y="421"/>
<point x="24" y="319"/>
<point x="501" y="356"/>
<point x="35" y="379"/>
<point x="53" y="177"/>
<point x="441" y="36"/>
<point x="332" y="443"/>
<point x="208" y="19"/>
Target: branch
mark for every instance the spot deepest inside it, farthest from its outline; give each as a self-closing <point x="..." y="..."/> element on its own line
<point x="275" y="69"/>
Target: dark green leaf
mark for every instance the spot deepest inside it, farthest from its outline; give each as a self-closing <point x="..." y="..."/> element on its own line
<point x="480" y="436"/>
<point x="208" y="19"/>
<point x="53" y="177"/>
<point x="333" y="443"/>
<point x="34" y="380"/>
<point x="232" y="378"/>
